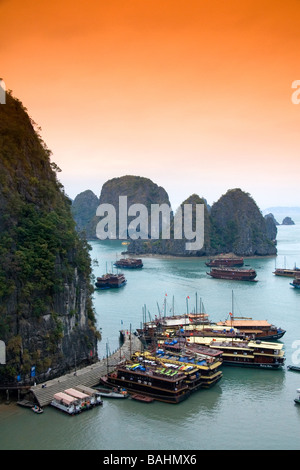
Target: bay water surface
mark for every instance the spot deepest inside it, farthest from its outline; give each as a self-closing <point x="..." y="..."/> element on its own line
<point x="249" y="409"/>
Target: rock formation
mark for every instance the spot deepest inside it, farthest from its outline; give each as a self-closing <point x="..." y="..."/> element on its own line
<point x="239" y="225"/>
<point x="46" y="316"/>
<point x="84" y="209"/>
<point x="288" y="221"/>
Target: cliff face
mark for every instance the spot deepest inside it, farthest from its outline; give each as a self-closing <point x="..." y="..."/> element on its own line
<point x="137" y="189"/>
<point x="239" y="225"/>
<point x="84" y="209"/>
<point x="177" y="247"/>
<point x="233" y="224"/>
<point x="46" y="314"/>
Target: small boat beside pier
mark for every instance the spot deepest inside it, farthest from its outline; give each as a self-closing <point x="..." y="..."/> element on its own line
<point x="297" y="399"/>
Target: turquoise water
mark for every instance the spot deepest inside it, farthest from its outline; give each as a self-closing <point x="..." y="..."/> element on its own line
<point x="247" y="409"/>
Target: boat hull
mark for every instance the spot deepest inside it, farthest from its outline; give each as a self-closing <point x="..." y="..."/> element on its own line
<point x="70" y="410"/>
<point x="233" y="274"/>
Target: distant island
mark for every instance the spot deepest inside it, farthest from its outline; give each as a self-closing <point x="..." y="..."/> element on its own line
<point x="233" y="224"/>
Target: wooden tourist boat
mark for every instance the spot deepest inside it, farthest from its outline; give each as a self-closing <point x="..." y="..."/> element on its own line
<point x="110" y="281"/>
<point x="237" y="352"/>
<point x="296" y="282"/>
<point x="37" y="409"/>
<point x="200" y="365"/>
<point x="129" y="263"/>
<point x="142" y="398"/>
<point x="287" y="272"/>
<point x="253" y="329"/>
<point x="95" y="396"/>
<point x="225" y="261"/>
<point x="83" y="398"/>
<point x="150" y="379"/>
<point x="157" y="328"/>
<point x="233" y="274"/>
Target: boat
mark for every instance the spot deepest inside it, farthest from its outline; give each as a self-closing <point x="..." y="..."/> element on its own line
<point x="66" y="403"/>
<point x="253" y="329"/>
<point x="234" y="274"/>
<point x="201" y="365"/>
<point x="95" y="396"/>
<point x="150" y="379"/>
<point x="110" y="281"/>
<point x="225" y="260"/>
<point x="142" y="398"/>
<point x="37" y="409"/>
<point x="237" y="352"/>
<point x="297" y="399"/>
<point x="294" y="368"/>
<point x="296" y="282"/>
<point x="129" y="263"/>
<point x="287" y="272"/>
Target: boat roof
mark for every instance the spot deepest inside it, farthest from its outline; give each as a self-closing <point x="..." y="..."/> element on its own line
<point x="248" y="322"/>
<point x="76" y="393"/>
<point x="64" y="397"/>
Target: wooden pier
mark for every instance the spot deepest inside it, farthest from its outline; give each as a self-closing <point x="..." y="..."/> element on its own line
<point x="88" y="376"/>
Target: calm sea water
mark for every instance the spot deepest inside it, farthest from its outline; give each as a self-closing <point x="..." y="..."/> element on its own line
<point x="248" y="409"/>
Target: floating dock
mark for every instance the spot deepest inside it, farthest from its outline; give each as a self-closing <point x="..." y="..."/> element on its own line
<point x="87" y="377"/>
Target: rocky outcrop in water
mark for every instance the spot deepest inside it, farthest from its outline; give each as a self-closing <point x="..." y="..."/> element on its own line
<point x="234" y="224"/>
<point x="288" y="221"/>
<point x="46" y="315"/>
<point x="239" y="225"/>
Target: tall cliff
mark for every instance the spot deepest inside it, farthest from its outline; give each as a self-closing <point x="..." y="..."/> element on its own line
<point x="46" y="314"/>
<point x="137" y="189"/>
<point x="240" y="226"/>
<point x="233" y="224"/>
<point x="84" y="209"/>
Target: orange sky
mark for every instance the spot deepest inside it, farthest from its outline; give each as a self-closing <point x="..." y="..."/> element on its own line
<point x="194" y="94"/>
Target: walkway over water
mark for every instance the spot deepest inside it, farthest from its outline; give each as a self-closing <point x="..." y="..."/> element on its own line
<point x="88" y="376"/>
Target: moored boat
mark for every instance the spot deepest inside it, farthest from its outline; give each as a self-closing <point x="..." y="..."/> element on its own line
<point x="296" y="282"/>
<point x="83" y="398"/>
<point x="142" y="398"/>
<point x="201" y="365"/>
<point x="150" y="379"/>
<point x="234" y="274"/>
<point x="262" y="354"/>
<point x="66" y="403"/>
<point x="37" y="409"/>
<point x="254" y="329"/>
<point x="95" y="397"/>
<point x="110" y="281"/>
<point x="129" y="263"/>
<point x="287" y="272"/>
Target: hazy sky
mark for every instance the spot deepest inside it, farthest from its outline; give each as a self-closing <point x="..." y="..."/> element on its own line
<point x="194" y="94"/>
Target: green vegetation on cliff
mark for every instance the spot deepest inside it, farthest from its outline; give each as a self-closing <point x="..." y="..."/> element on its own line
<point x="42" y="258"/>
